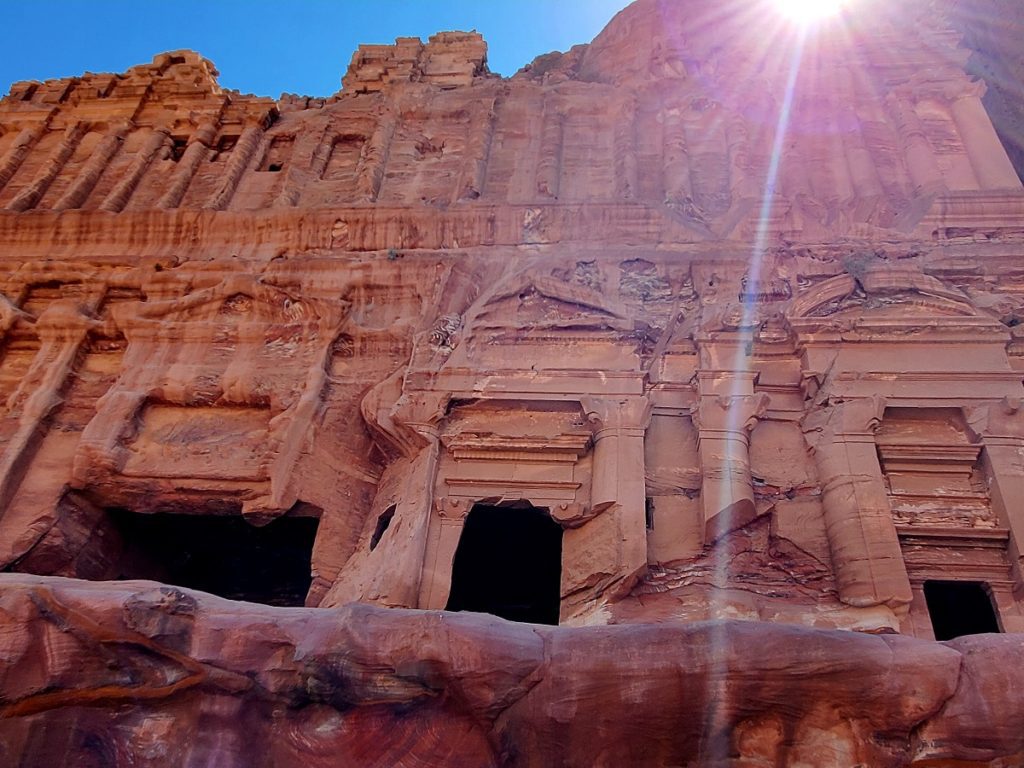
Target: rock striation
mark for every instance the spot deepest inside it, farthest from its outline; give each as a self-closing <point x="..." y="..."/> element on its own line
<point x="702" y="341"/>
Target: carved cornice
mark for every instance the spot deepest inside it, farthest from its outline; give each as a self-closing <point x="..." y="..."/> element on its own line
<point x="562" y="448"/>
<point x="931" y="457"/>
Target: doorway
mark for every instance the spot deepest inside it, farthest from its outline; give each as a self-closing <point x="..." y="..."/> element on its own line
<point x="509" y="564"/>
<point x="221" y="554"/>
<point x="959" y="608"/>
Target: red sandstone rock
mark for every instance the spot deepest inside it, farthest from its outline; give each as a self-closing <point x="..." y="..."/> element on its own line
<point x="557" y="347"/>
<point x="136" y="673"/>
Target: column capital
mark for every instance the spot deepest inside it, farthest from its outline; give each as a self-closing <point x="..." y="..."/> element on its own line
<point x="730" y="413"/>
<point x="10" y="314"/>
<point x="726" y="382"/>
<point x="29" y="130"/>
<point x="403" y="423"/>
<point x="617" y="413"/>
<point x="966" y="89"/>
<point x="259" y="120"/>
<point x="857" y="418"/>
<point x="994" y="421"/>
<point x="204" y="133"/>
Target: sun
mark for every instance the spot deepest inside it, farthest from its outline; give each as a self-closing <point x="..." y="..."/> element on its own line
<point x="808" y="11"/>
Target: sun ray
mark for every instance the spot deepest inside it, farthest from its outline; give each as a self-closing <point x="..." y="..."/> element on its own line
<point x="805" y="12"/>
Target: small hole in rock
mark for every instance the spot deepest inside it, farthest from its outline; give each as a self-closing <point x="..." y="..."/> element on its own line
<point x="383" y="523"/>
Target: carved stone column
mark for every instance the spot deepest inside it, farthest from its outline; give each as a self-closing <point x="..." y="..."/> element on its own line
<point x="676" y="166"/>
<point x="625" y="152"/>
<point x="727" y="411"/>
<point x="195" y="153"/>
<point x="405" y="570"/>
<point x="473" y="176"/>
<point x="842" y="192"/>
<point x="552" y="137"/>
<point x="18" y="151"/>
<point x="1000" y="427"/>
<point x="374" y="159"/>
<point x="101" y="450"/>
<point x="867" y="185"/>
<point x="62" y="328"/>
<point x="79" y="190"/>
<point x="921" y="164"/>
<point x="708" y="156"/>
<point x="32" y="193"/>
<point x="241" y="156"/>
<point x="293" y="437"/>
<point x="610" y="549"/>
<point x="991" y="164"/>
<point x="123" y="190"/>
<point x="742" y="178"/>
<point x="866" y="555"/>
<point x="314" y="146"/>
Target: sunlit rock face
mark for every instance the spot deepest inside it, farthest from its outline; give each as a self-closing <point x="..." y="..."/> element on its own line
<point x="701" y="341"/>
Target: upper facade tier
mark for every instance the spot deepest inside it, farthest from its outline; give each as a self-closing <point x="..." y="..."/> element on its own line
<point x="865" y="124"/>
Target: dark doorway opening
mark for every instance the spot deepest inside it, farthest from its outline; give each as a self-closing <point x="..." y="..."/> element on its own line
<point x="509" y="564"/>
<point x="959" y="608"/>
<point x="222" y="554"/>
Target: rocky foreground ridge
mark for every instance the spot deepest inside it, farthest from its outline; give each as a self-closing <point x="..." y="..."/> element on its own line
<point x="139" y="674"/>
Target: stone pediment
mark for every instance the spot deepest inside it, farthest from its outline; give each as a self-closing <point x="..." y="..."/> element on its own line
<point x="906" y="306"/>
<point x="546" y="303"/>
<point x="881" y="294"/>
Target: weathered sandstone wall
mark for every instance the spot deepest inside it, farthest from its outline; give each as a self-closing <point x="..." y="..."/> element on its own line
<point x="736" y="314"/>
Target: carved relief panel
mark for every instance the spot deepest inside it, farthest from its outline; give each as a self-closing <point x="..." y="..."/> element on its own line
<point x="212" y="396"/>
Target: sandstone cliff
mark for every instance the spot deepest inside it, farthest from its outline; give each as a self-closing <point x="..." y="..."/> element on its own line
<point x="702" y="340"/>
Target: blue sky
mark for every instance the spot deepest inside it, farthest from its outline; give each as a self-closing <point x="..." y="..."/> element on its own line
<point x="267" y="48"/>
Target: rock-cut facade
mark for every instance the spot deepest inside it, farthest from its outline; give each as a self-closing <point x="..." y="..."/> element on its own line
<point x="672" y="384"/>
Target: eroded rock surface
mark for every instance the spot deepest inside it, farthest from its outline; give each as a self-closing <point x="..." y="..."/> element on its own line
<point x="136" y="674"/>
<point x="704" y="321"/>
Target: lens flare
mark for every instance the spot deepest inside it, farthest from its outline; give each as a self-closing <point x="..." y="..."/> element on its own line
<point x="808" y="11"/>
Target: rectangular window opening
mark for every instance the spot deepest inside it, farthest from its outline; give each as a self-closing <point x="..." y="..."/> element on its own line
<point x="178" y="146"/>
<point x="278" y="152"/>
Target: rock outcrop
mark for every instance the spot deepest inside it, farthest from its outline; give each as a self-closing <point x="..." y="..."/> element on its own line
<point x="142" y="674"/>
